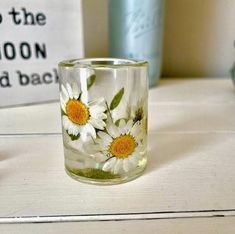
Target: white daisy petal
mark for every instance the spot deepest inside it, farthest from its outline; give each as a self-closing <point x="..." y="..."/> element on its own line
<point x="105" y="137"/>
<point x="62" y="98"/>
<point x="71" y="129"/>
<point x="96" y="110"/>
<point x="122" y="123"/>
<point x="118" y="166"/>
<point x="94" y="123"/>
<point x="75" y="90"/>
<point x="90" y="129"/>
<point x="99" y="101"/>
<point x="101" y="116"/>
<point x="69" y="90"/>
<point x="122" y="126"/>
<point x="135" y="129"/>
<point x="104" y="145"/>
<point x="83" y="135"/>
<point x="66" y="122"/>
<point x="85" y="132"/>
<point x="126" y="165"/>
<point x="109" y="164"/>
<point x="99" y="124"/>
<point x="75" y="131"/>
<point x="63" y="107"/>
<point x="84" y="98"/>
<point x="129" y="125"/>
<point x="113" y="130"/>
<point x="64" y="93"/>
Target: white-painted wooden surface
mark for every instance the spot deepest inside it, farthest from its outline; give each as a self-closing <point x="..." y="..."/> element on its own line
<point x="190" y="171"/>
<point x="186" y="172"/>
<point x="174" y="226"/>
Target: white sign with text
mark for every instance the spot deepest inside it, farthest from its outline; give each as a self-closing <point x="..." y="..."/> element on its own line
<point x="35" y="36"/>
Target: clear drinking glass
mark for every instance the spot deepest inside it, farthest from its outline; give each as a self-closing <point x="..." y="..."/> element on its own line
<point x="104" y="118"/>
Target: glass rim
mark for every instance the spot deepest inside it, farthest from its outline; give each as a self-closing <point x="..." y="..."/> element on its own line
<point x="117" y="63"/>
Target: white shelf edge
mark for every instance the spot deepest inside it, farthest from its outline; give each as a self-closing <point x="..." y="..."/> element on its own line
<point x="118" y="217"/>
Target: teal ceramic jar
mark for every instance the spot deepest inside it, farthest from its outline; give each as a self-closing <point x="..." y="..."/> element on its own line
<point x="135" y="31"/>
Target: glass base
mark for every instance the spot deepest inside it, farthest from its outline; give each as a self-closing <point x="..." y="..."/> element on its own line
<point x="95" y="181"/>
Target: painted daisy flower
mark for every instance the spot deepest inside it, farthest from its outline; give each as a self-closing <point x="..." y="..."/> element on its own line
<point x="122" y="145"/>
<point x="139" y="113"/>
<point x="80" y="117"/>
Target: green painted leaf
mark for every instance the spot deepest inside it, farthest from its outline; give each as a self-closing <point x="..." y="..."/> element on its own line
<point x="72" y="137"/>
<point x="93" y="173"/>
<point x="116" y="100"/>
<point x="62" y="112"/>
<point x="91" y="80"/>
<point x="117" y="122"/>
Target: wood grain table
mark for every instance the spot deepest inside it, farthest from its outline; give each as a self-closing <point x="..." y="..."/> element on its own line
<point x="188" y="187"/>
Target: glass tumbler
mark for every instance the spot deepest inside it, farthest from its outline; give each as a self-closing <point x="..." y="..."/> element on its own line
<point x="104" y="118"/>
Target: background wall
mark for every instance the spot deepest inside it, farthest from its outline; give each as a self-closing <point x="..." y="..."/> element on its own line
<point x="95" y="16"/>
<point x="198" y="41"/>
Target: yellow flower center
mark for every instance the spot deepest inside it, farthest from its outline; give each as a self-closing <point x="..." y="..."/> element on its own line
<point x="77" y="112"/>
<point x="123" y="146"/>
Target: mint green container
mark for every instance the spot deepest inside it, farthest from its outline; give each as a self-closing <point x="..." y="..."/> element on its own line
<point x="135" y="31"/>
